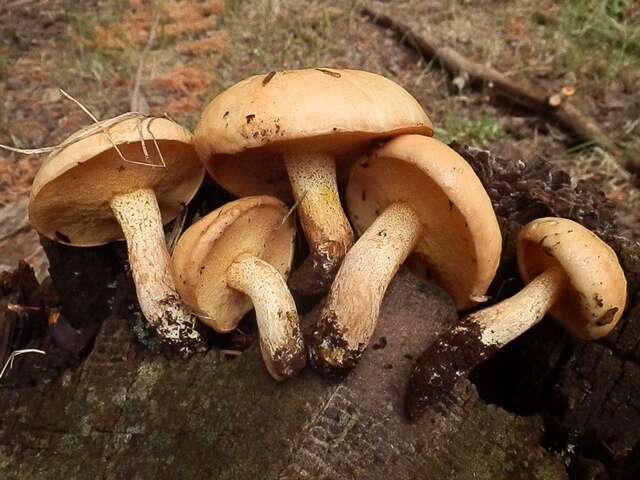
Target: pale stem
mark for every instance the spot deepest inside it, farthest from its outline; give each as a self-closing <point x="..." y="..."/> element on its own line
<point x="349" y="316"/>
<point x="326" y="227"/>
<point x="278" y="323"/>
<point x="507" y="320"/>
<point x="139" y="217"/>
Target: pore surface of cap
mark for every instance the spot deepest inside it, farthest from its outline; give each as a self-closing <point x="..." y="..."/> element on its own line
<point x="244" y="130"/>
<point x="72" y="190"/>
<point x="250" y="225"/>
<point x="598" y="288"/>
<point x="460" y="244"/>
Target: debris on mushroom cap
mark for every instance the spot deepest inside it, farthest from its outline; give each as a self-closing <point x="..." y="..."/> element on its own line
<point x="598" y="286"/>
<point x="285" y="134"/>
<point x="251" y="225"/>
<point x="243" y="131"/>
<point x="461" y="242"/>
<point x="70" y="195"/>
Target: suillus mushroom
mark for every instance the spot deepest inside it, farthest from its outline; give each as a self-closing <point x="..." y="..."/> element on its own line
<point x="569" y="273"/>
<point x="286" y="132"/>
<point x="416" y="196"/>
<point x="237" y="258"/>
<point x="125" y="179"/>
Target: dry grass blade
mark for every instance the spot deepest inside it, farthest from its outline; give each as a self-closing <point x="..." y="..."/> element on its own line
<point x="9" y="363"/>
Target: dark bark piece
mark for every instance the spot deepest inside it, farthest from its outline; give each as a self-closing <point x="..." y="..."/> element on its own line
<point x="531" y="97"/>
<point x="85" y="279"/>
<point x="127" y="412"/>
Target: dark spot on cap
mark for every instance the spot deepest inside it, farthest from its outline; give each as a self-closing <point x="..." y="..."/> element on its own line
<point x="121" y="168"/>
<point x="62" y="237"/>
<point x="450" y="205"/>
<point x="598" y="299"/>
<point x="250" y="117"/>
<point x="387" y="366"/>
<point x="364" y="164"/>
<point x="268" y="78"/>
<point x="607" y="318"/>
<point x="226" y="114"/>
<point x="329" y="72"/>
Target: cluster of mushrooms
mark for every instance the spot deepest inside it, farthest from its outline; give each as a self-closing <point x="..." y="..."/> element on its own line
<point x="297" y="140"/>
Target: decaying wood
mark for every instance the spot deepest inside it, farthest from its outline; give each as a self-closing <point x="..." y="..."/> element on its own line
<point x="130" y="413"/>
<point x="559" y="108"/>
<point x="589" y="393"/>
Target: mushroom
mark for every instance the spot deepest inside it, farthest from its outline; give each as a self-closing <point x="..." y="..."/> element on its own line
<point x="286" y="131"/>
<point x="237" y="258"/>
<point x="569" y="273"/>
<point x="91" y="192"/>
<point x="414" y="195"/>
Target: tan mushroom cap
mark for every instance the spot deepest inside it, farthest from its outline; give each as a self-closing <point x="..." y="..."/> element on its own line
<point x="244" y="130"/>
<point x="251" y="225"/>
<point x="460" y="244"/>
<point x="598" y="287"/>
<point x="71" y="191"/>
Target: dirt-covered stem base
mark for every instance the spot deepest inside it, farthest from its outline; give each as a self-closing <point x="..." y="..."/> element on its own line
<point x="139" y="217"/>
<point x="281" y="340"/>
<point x="349" y="316"/>
<point x="326" y="227"/>
<point x="455" y="353"/>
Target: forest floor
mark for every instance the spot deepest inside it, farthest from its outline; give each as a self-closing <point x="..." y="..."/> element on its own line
<point x="93" y="50"/>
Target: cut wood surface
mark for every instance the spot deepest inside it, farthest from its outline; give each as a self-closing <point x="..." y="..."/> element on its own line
<point x="129" y="413"/>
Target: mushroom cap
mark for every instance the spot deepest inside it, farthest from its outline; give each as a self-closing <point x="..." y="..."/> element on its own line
<point x="460" y="244"/>
<point x="244" y="131"/>
<point x="597" y="285"/>
<point x="252" y="225"/>
<point x="71" y="192"/>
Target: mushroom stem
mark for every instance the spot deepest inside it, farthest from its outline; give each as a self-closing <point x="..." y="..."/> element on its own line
<point x="280" y="336"/>
<point x="139" y="217"/>
<point x="349" y="316"/>
<point x="501" y="323"/>
<point x="326" y="227"/>
<point x="479" y="335"/>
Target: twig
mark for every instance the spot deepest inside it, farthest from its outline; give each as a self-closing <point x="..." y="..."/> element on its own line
<point x="136" y="101"/>
<point x="9" y="363"/>
<point x="530" y="97"/>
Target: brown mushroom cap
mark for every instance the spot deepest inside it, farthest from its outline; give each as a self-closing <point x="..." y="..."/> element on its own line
<point x="460" y="244"/>
<point x="598" y="287"/>
<point x="251" y="225"/>
<point x="244" y="130"/>
<point x="71" y="191"/>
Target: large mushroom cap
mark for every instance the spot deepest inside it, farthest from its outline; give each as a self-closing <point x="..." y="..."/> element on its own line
<point x="243" y="131"/>
<point x="251" y="225"/>
<point x="71" y="191"/>
<point x="460" y="244"/>
<point x="598" y="288"/>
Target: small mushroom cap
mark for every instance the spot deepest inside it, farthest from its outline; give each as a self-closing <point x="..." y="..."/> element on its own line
<point x="71" y="191"/>
<point x="597" y="285"/>
<point x="244" y="130"/>
<point x="461" y="242"/>
<point x="252" y="225"/>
